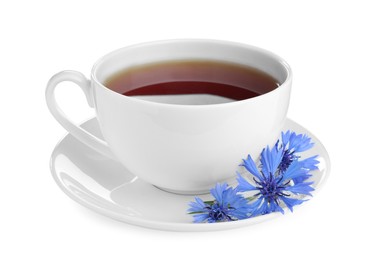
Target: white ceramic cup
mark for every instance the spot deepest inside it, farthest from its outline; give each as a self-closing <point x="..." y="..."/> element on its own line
<point x="180" y="148"/>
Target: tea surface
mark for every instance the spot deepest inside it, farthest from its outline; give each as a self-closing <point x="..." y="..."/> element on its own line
<point x="192" y="77"/>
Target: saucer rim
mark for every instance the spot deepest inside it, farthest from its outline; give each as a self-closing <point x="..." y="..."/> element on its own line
<point x="176" y="226"/>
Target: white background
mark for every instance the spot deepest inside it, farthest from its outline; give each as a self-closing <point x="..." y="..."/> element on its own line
<point x="331" y="48"/>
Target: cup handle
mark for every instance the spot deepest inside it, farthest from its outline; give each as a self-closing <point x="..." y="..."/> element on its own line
<point x="77" y="131"/>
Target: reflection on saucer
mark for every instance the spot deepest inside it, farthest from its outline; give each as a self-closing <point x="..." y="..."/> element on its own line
<point x="107" y="187"/>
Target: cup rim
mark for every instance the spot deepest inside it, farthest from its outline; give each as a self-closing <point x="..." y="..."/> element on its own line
<point x="283" y="63"/>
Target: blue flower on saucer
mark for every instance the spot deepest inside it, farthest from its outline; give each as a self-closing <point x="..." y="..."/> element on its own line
<point x="292" y="144"/>
<point x="279" y="181"/>
<point x="227" y="206"/>
<point x="274" y="187"/>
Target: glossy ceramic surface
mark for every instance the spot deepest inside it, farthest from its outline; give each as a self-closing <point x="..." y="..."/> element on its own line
<point x="179" y="147"/>
<point x="105" y="186"/>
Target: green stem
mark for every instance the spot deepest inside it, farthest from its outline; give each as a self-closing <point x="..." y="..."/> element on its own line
<point x="211" y="202"/>
<point x="251" y="198"/>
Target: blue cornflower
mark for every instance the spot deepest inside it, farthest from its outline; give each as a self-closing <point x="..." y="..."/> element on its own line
<point x="292" y="144"/>
<point x="273" y="186"/>
<point x="227" y="206"/>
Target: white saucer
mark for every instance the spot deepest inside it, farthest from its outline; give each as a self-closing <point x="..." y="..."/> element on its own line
<point x="106" y="187"/>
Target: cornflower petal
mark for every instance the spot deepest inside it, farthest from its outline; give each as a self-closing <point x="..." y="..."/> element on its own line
<point x="198" y="218"/>
<point x="285" y="137"/>
<point x="295" y="170"/>
<point x="300" y="143"/>
<point x="273" y="206"/>
<point x="243" y="184"/>
<point x="290" y="202"/>
<point x="197" y="206"/>
<point x="260" y="207"/>
<point x="270" y="160"/>
<point x="250" y="165"/>
<point x="310" y="163"/>
<point x="218" y="190"/>
<point x="301" y="188"/>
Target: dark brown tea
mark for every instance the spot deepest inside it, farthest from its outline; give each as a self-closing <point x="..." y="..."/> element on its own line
<point x="192" y="77"/>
